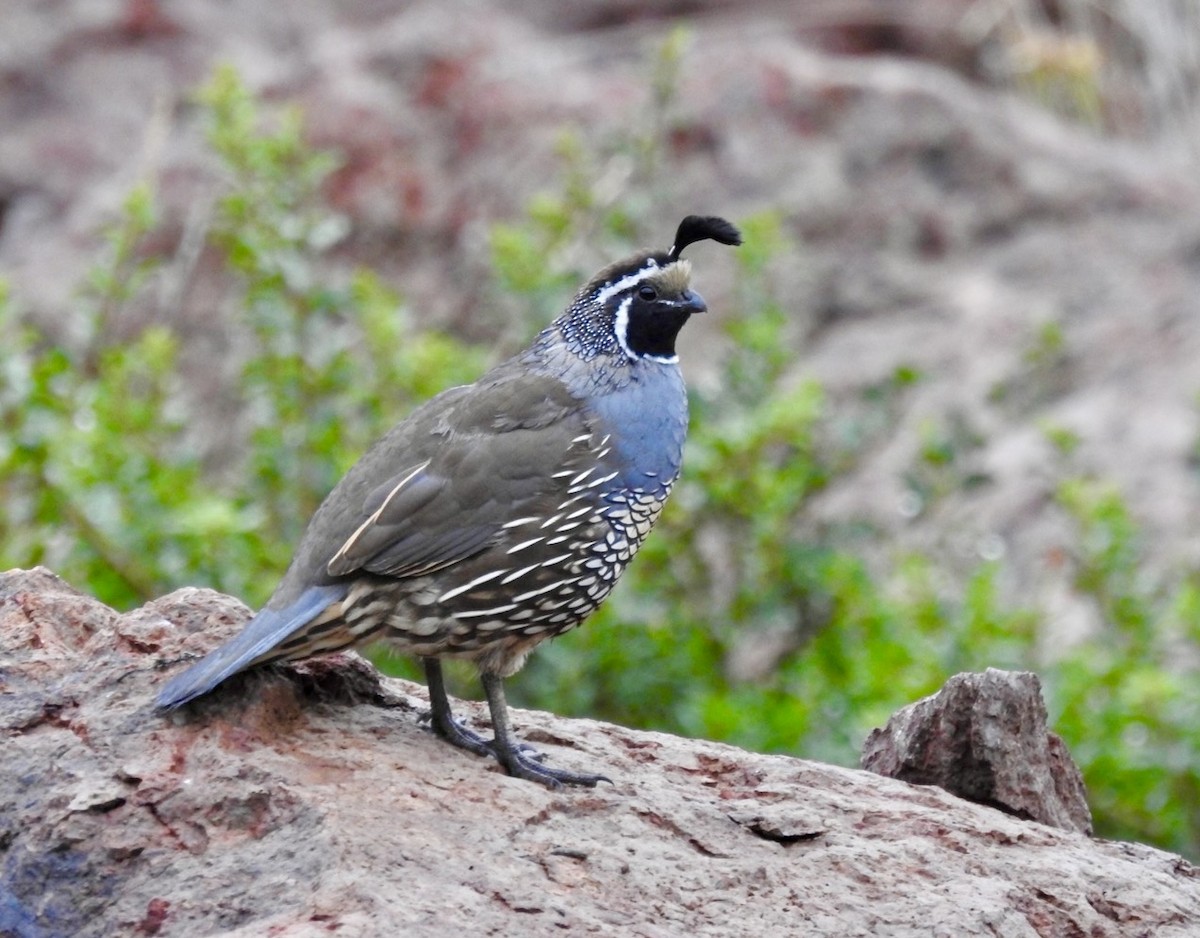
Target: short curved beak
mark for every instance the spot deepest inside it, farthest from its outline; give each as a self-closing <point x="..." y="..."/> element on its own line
<point x="693" y="302"/>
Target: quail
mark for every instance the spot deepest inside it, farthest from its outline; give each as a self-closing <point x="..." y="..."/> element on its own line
<point x="499" y="514"/>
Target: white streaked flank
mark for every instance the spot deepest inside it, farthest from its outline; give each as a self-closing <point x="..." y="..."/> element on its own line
<point x="524" y="544"/>
<point x="557" y="584"/>
<point x="459" y="590"/>
<point x="602" y="480"/>
<point x="583" y="475"/>
<point x="517" y="574"/>
<point x="480" y="613"/>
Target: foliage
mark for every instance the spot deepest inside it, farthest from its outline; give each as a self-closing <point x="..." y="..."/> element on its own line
<point x="1128" y="698"/>
<point x="118" y="477"/>
<point x="739" y="621"/>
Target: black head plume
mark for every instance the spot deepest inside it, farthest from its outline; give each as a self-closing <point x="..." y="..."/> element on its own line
<point x="703" y="228"/>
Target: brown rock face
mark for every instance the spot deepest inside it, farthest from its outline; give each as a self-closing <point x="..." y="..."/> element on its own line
<point x="983" y="737"/>
<point x="308" y="801"/>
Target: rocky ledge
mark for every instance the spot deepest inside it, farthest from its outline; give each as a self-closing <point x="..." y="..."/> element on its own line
<point x="309" y="801"/>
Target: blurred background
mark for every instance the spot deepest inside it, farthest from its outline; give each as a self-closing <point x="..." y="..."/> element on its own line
<point x="944" y="409"/>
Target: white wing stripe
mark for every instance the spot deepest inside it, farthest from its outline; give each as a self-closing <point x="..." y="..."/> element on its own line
<point x="350" y="542"/>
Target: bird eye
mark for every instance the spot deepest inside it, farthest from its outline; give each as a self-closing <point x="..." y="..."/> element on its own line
<point x="648" y="292"/>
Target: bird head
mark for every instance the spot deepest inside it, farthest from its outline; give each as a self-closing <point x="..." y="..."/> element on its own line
<point x="636" y="307"/>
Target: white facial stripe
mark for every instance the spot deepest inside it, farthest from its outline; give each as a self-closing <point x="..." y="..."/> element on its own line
<point x="626" y="282"/>
<point x="621" y="326"/>
<point x="621" y="319"/>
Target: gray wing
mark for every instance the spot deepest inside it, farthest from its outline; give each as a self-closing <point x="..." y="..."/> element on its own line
<point x="441" y="486"/>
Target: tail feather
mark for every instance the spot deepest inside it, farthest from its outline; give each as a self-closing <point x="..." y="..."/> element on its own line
<point x="262" y="633"/>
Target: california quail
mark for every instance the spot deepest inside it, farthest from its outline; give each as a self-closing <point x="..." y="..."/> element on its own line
<point x="499" y="514"/>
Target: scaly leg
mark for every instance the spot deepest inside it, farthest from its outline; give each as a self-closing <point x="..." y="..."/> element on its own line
<point x="514" y="756"/>
<point x="441" y="718"/>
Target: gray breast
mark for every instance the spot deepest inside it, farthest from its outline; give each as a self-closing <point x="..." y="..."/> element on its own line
<point x="647" y="418"/>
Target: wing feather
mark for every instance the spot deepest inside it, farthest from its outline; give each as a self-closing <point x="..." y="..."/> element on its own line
<point x="473" y="460"/>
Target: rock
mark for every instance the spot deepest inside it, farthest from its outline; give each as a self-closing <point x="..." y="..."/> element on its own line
<point x="983" y="737"/>
<point x="308" y="800"/>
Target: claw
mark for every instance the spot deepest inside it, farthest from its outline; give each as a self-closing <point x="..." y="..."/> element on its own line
<point x="520" y="760"/>
<point x="520" y="765"/>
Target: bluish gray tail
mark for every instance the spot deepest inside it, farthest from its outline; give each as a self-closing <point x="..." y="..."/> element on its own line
<point x="262" y="633"/>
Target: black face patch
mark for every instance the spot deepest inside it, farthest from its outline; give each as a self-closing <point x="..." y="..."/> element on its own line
<point x="653" y="327"/>
<point x="652" y="322"/>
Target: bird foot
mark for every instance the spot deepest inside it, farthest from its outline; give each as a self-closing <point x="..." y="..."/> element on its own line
<point x="458" y="735"/>
<point x="520" y="761"/>
<point x="523" y="761"/>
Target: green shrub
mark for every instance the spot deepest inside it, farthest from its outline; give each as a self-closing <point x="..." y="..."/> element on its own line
<point x="1127" y="700"/>
<point x="112" y="472"/>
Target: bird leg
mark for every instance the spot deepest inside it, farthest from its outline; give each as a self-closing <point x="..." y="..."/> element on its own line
<point x="441" y="718"/>
<point x="515" y="757"/>
<point x="519" y="759"/>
